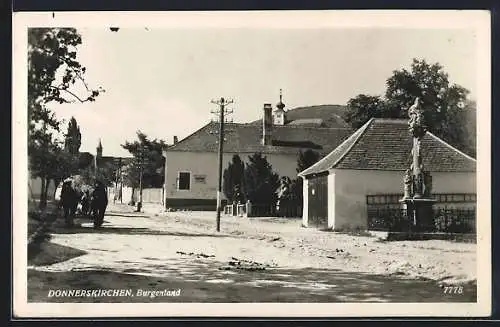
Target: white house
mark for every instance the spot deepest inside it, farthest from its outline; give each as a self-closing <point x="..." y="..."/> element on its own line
<point x="191" y="170"/>
<point x="367" y="170"/>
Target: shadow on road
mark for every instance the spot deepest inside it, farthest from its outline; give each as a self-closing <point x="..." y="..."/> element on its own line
<point x="203" y="281"/>
<point x="128" y="214"/>
<point x="128" y="231"/>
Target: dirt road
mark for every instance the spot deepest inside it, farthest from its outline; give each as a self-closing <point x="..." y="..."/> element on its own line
<point x="250" y="260"/>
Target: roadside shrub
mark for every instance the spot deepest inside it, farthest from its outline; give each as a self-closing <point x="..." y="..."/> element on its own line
<point x="450" y="224"/>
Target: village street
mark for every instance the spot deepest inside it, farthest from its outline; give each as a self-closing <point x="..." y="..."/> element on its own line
<point x="250" y="260"/>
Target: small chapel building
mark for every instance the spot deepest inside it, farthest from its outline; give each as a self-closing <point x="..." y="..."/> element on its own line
<point x="367" y="169"/>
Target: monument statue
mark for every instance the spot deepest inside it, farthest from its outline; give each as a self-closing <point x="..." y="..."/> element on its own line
<point x="417" y="181"/>
<point x="417" y="128"/>
<point x="427" y="184"/>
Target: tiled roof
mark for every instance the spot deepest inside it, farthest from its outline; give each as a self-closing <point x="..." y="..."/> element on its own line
<point x="330" y="116"/>
<point x="385" y="144"/>
<point x="247" y="138"/>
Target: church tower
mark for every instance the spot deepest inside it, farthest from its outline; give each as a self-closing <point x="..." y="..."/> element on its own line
<point x="279" y="117"/>
<point x="98" y="156"/>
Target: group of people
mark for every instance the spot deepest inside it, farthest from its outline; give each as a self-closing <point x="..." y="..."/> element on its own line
<point x="93" y="203"/>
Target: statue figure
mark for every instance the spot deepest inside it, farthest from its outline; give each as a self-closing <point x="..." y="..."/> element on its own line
<point x="419" y="183"/>
<point x="408" y="181"/>
<point x="427" y="184"/>
<point x="416" y="122"/>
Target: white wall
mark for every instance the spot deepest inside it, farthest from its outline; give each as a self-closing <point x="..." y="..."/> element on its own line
<point x="205" y="163"/>
<point x="352" y="186"/>
<point x="331" y="200"/>
<point x="149" y="195"/>
<point x="35" y="188"/>
<point x="305" y="197"/>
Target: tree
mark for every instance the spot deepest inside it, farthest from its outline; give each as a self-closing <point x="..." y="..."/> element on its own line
<point x="261" y="183"/>
<point x="446" y="113"/>
<point x="306" y="159"/>
<point x="53" y="71"/>
<point x="106" y="173"/>
<point x="64" y="164"/>
<point x="52" y="51"/>
<point x="73" y="139"/>
<point x="444" y="103"/>
<point x="363" y="107"/>
<point x="233" y="180"/>
<point x="41" y="146"/>
<point x="148" y="156"/>
<point x="85" y="160"/>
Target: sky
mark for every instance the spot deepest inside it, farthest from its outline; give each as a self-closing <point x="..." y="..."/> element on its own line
<point x="161" y="81"/>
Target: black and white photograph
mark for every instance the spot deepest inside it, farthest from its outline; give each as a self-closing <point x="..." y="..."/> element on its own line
<point x="303" y="163"/>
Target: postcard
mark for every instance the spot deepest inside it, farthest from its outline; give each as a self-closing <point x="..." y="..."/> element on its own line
<point x="251" y="164"/>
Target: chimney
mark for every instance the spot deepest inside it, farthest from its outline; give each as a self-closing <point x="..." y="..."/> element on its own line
<point x="267" y="124"/>
<point x="175" y="139"/>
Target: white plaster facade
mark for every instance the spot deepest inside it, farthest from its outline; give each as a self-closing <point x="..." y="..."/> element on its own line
<point x="204" y="165"/>
<point x="35" y="188"/>
<point x="347" y="191"/>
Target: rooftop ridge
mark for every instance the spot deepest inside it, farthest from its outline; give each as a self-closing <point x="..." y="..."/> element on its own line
<point x="353" y="138"/>
<point x="391" y="120"/>
<point x="451" y="146"/>
<point x="250" y="125"/>
<point x="381" y="144"/>
<point x="187" y="137"/>
<point x="361" y="131"/>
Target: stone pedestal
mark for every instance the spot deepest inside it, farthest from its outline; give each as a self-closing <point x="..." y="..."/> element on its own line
<point x="420" y="213"/>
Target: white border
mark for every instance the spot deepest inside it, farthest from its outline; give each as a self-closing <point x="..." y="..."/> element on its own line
<point x="477" y="20"/>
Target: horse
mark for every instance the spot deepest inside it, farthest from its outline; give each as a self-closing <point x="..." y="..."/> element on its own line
<point x="69" y="201"/>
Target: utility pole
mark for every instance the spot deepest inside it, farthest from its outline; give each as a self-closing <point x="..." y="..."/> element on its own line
<point x="222" y="103"/>
<point x="118" y="179"/>
<point x="141" y="167"/>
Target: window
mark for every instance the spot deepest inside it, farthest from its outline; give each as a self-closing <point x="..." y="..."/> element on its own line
<point x="184" y="181"/>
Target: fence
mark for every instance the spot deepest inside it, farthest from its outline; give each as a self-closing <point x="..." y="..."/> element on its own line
<point x="149" y="195"/>
<point x="444" y="220"/>
<point x="258" y="210"/>
<point x="236" y="209"/>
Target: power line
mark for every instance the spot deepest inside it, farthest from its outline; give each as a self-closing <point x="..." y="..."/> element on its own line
<point x="221" y="112"/>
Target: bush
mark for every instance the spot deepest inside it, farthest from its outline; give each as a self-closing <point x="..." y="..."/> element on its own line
<point x="451" y="224"/>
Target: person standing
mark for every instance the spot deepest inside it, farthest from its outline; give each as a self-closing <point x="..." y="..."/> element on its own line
<point x="99" y="203"/>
